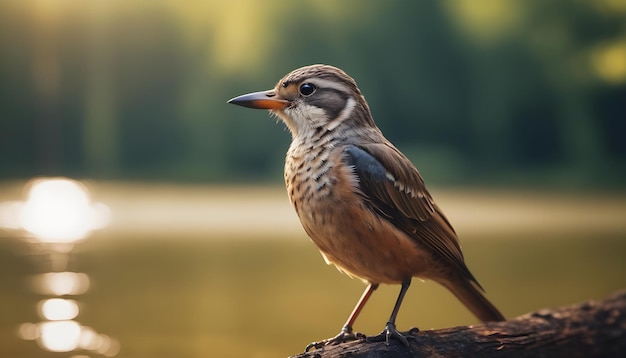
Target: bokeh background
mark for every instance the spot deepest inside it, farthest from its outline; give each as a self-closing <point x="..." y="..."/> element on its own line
<point x="515" y="113"/>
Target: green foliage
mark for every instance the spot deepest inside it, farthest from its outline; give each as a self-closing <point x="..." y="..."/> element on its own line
<point x="529" y="90"/>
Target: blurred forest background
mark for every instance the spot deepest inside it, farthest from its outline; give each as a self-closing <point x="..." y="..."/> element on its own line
<point x="515" y="92"/>
<point x="514" y="112"/>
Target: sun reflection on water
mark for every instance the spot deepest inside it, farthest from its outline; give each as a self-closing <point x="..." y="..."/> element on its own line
<point x="58" y="309"/>
<point x="59" y="210"/>
<point x="60" y="283"/>
<point x="59" y="336"/>
<point x="57" y="214"/>
<point x="67" y="336"/>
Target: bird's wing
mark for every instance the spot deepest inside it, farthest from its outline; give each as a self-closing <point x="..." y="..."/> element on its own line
<point x="393" y="187"/>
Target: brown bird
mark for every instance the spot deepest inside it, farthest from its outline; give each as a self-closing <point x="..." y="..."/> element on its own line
<point x="362" y="201"/>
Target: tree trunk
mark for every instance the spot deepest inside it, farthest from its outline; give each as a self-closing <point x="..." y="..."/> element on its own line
<point x="589" y="329"/>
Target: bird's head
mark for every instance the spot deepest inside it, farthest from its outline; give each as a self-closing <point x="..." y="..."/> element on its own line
<point x="313" y="98"/>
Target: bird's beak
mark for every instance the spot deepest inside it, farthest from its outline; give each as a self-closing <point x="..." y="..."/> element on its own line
<point x="260" y="100"/>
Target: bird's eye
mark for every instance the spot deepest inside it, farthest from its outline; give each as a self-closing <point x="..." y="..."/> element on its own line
<point x="307" y="89"/>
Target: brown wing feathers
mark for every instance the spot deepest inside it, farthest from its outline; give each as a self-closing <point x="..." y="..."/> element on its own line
<point x="407" y="206"/>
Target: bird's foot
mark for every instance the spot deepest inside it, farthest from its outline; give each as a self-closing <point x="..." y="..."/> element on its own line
<point x="345" y="335"/>
<point x="389" y="332"/>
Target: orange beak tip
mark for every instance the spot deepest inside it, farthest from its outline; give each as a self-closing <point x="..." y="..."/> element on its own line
<point x="260" y="100"/>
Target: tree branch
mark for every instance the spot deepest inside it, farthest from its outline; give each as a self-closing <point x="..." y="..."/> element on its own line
<point x="589" y="329"/>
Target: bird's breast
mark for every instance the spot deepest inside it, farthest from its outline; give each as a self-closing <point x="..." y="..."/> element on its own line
<point x="324" y="191"/>
<point x="311" y="177"/>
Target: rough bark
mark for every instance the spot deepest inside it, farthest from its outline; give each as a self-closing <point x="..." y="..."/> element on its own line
<point x="589" y="329"/>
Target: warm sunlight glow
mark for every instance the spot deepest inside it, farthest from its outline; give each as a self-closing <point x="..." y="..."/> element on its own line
<point x="58" y="309"/>
<point x="9" y="214"/>
<point x="100" y="343"/>
<point x="235" y="33"/>
<point x="59" y="336"/>
<point x="61" y="283"/>
<point x="68" y="335"/>
<point x="89" y="339"/>
<point x="611" y="6"/>
<point x="59" y="210"/>
<point x="485" y="20"/>
<point x="28" y="331"/>
<point x="609" y="62"/>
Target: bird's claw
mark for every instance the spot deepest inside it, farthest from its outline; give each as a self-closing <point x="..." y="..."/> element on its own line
<point x="389" y="332"/>
<point x="344" y="336"/>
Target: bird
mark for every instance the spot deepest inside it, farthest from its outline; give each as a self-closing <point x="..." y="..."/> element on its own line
<point x="361" y="200"/>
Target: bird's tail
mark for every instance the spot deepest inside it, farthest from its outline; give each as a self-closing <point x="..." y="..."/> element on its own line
<point x="470" y="294"/>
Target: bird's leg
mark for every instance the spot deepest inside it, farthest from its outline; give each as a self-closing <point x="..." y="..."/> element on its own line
<point x="390" y="329"/>
<point x="346" y="333"/>
<point x="359" y="306"/>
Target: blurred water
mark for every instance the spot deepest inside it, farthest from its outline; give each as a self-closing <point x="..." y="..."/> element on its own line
<point x="245" y="211"/>
<point x="194" y="271"/>
<point x="54" y="216"/>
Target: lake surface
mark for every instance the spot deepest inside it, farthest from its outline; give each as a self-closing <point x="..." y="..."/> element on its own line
<point x="194" y="271"/>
